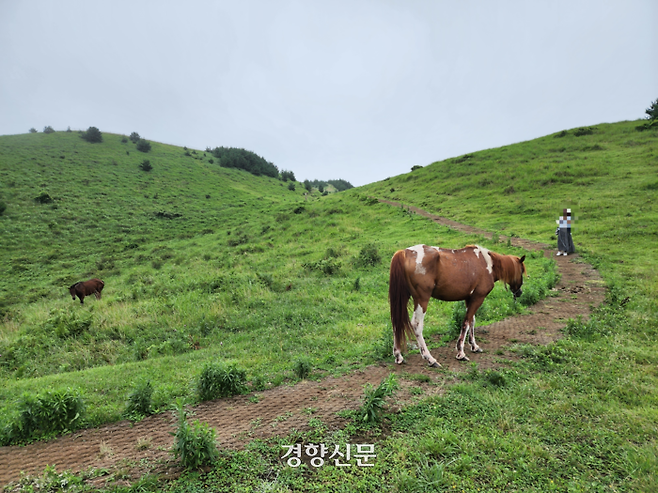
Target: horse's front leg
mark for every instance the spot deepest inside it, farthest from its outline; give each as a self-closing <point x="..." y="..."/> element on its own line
<point x="417" y="326"/>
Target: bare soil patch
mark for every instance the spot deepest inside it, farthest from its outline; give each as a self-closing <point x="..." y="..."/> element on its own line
<point x="133" y="449"/>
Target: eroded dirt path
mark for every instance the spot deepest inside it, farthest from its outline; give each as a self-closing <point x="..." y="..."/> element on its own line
<point x="131" y="450"/>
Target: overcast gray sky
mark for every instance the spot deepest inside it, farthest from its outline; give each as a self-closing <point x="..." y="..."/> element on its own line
<point x="359" y="90"/>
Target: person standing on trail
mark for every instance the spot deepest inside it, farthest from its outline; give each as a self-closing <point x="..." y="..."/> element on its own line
<point x="563" y="232"/>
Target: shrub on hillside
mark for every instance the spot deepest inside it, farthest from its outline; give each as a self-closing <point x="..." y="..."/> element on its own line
<point x="48" y="130"/>
<point x="291" y="186"/>
<point x="195" y="444"/>
<point x="43" y="198"/>
<point x="302" y="368"/>
<point x="579" y="132"/>
<point x="92" y="135"/>
<point x="328" y="266"/>
<point x="140" y="401"/>
<point x="231" y="157"/>
<point x="134" y="137"/>
<point x="33" y="130"/>
<point x="218" y="381"/>
<point x="55" y="411"/>
<point x="143" y="145"/>
<point x="64" y="323"/>
<point x="3" y="207"/>
<point x="146" y="165"/>
<point x="287" y="175"/>
<point x="369" y="256"/>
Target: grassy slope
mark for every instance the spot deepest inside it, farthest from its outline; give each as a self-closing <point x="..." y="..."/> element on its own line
<point x="609" y="179"/>
<point x="557" y="422"/>
<point x="241" y="266"/>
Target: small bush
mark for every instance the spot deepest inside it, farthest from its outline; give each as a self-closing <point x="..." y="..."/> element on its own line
<point x="220" y="381"/>
<point x="302" y="368"/>
<point x="373" y="404"/>
<point x="328" y="266"/>
<point x="143" y="145"/>
<point x="53" y="412"/>
<point x="194" y="444"/>
<point x="3" y="207"/>
<point x="146" y="165"/>
<point x="579" y="132"/>
<point x="67" y="324"/>
<point x="291" y="186"/>
<point x="48" y="130"/>
<point x="415" y="167"/>
<point x="43" y="198"/>
<point x="92" y="135"/>
<point x="33" y="130"/>
<point x="140" y="401"/>
<point x="134" y="137"/>
<point x="369" y="256"/>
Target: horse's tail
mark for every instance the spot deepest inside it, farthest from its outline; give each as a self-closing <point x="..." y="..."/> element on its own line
<point x="398" y="298"/>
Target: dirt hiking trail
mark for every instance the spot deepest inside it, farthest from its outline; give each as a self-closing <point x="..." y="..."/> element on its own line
<point x="134" y="449"/>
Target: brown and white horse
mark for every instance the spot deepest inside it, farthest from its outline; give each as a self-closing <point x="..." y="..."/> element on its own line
<point x="425" y="272"/>
<point x="87" y="288"/>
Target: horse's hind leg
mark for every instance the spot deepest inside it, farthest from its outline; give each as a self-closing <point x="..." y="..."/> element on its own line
<point x="471" y="338"/>
<point x="98" y="295"/>
<point x="417" y="326"/>
<point x="468" y="327"/>
<point x="397" y="352"/>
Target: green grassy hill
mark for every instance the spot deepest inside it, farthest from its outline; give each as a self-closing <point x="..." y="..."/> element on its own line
<point x="99" y="208"/>
<point x="199" y="263"/>
<point x="205" y="265"/>
<point x="607" y="174"/>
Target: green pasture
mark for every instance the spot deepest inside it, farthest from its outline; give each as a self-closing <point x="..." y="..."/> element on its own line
<point x="207" y="265"/>
<point x="243" y="272"/>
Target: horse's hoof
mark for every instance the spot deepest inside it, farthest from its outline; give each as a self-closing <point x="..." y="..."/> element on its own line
<point x="435" y="365"/>
<point x="463" y="358"/>
<point x="477" y="350"/>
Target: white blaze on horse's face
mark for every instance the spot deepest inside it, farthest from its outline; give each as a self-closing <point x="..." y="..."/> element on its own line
<point x="420" y="254"/>
<point x="486" y="256"/>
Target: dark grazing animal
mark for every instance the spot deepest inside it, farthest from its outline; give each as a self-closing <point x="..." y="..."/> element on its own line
<point x="87" y="288"/>
<point x="422" y="272"/>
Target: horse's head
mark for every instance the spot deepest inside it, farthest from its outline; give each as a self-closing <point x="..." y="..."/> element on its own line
<point x="517" y="281"/>
<point x="72" y="291"/>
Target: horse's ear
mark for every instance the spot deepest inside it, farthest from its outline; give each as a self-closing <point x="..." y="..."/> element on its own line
<point x="522" y="259"/>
